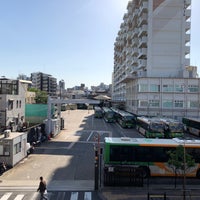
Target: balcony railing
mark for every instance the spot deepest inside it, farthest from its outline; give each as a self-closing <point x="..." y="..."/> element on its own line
<point x="143" y="41"/>
<point x="187" y="3"/>
<point x="142" y="63"/>
<point x="143" y="19"/>
<point x="187" y="50"/>
<point x="142" y="30"/>
<point x="134" y="51"/>
<point x="187" y="13"/>
<point x="143" y="8"/>
<point x="187" y="38"/>
<point x="187" y="26"/>
<point x="142" y="52"/>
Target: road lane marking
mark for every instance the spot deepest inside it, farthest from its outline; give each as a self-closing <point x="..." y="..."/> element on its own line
<point x="19" y="197"/>
<point x="87" y="196"/>
<point x="71" y="145"/>
<point x="74" y="196"/>
<point x="90" y="136"/>
<point x="6" y="196"/>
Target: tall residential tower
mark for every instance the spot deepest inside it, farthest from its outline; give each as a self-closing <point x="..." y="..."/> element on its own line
<point x="152" y="73"/>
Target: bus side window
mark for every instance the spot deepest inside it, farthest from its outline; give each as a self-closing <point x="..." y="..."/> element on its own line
<point x="159" y="154"/>
<point x="126" y="154"/>
<point x="195" y="153"/>
<point x="114" y="153"/>
<point x="142" y="154"/>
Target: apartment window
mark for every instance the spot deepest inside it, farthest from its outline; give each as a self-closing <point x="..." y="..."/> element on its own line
<point x="10" y="104"/>
<point x="17" y="104"/>
<point x="168" y="88"/>
<point x="178" y="104"/>
<point x="193" y="88"/>
<point x="6" y="150"/>
<point x="142" y="88"/>
<point x="167" y="104"/>
<point x="193" y="104"/>
<point x="154" y="88"/>
<point x="178" y="88"/>
<point x="17" y="148"/>
<point x="143" y="103"/>
<point x="154" y="103"/>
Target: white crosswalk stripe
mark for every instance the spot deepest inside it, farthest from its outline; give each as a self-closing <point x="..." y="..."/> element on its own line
<point x="74" y="196"/>
<point x="19" y="197"/>
<point x="34" y="196"/>
<point x="87" y="196"/>
<point x="6" y="196"/>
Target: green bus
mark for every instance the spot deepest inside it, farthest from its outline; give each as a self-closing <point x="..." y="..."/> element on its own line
<point x="150" y="127"/>
<point x="172" y="128"/>
<point x="192" y="125"/>
<point x="108" y="114"/>
<point x="125" y="119"/>
<point x="148" y="156"/>
<point x="98" y="112"/>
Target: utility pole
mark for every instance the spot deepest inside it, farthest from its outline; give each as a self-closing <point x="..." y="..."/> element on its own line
<point x="96" y="170"/>
<point x="184" y="171"/>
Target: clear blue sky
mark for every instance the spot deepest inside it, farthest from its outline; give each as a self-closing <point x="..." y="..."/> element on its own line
<point x="69" y="39"/>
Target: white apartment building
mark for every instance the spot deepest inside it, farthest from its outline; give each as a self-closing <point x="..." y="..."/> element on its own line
<point x="152" y="73"/>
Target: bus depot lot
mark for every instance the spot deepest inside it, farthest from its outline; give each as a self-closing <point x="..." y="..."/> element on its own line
<point x="81" y="125"/>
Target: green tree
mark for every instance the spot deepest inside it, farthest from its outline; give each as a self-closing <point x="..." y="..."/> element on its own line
<point x="41" y="96"/>
<point x="180" y="161"/>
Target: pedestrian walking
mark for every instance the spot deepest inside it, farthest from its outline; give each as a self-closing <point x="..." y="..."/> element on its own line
<point x="42" y="187"/>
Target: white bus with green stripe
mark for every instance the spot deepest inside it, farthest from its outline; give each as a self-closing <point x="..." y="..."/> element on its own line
<point x="150" y="127"/>
<point x="150" y="155"/>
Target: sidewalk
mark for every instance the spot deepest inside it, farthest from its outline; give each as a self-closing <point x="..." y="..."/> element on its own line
<point x="154" y="191"/>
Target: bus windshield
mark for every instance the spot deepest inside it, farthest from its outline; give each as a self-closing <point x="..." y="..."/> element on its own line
<point x="156" y="127"/>
<point x="128" y="118"/>
<point x="176" y="127"/>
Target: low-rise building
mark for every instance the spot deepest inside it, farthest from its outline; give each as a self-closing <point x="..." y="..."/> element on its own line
<point x="12" y="104"/>
<point x="13" y="147"/>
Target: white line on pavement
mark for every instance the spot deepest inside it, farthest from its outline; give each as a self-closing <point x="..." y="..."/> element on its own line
<point x="87" y="196"/>
<point x="74" y="196"/>
<point x="19" y="197"/>
<point x="6" y="196"/>
<point x="71" y="145"/>
<point x="90" y="136"/>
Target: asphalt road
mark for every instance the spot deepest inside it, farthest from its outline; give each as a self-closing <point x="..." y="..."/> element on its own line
<point x="67" y="161"/>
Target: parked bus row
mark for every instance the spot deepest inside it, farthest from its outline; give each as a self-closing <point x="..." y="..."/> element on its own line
<point x="159" y="127"/>
<point x="148" y="156"/>
<point x="149" y="127"/>
<point x="125" y="119"/>
<point x="108" y="115"/>
<point x="192" y="125"/>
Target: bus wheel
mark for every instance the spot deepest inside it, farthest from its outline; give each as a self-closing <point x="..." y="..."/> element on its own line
<point x="144" y="171"/>
<point x="198" y="173"/>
